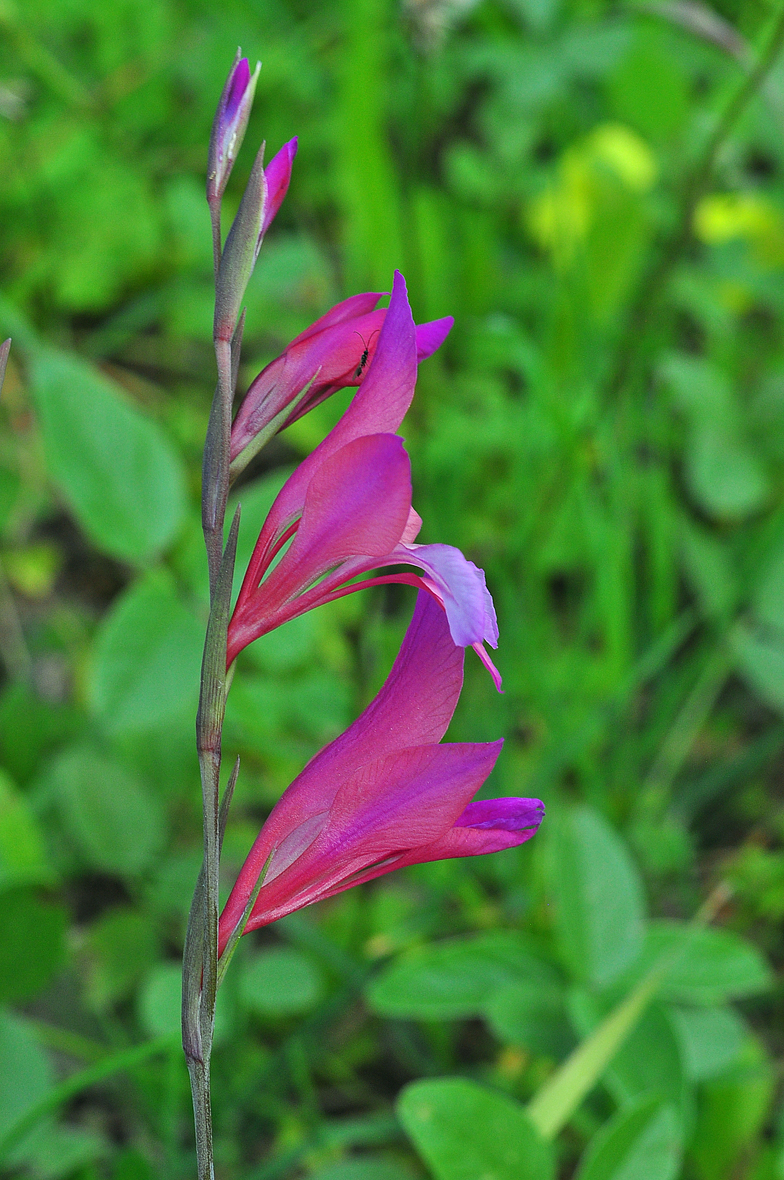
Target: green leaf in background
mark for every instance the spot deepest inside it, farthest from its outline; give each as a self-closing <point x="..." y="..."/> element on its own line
<point x="709" y="569"/>
<point x="464" y="1131"/>
<point x="60" y="1151"/>
<point x="731" y="1112"/>
<point x="31" y="726"/>
<point x="456" y="978"/>
<point x="641" y="1142"/>
<point x="22" y="853"/>
<point x="599" y="899"/>
<point x="649" y="1057"/>
<point x="32" y="948"/>
<point x="759" y="657"/>
<point x="711" y="1039"/>
<point x="362" y="1168"/>
<point x="726" y="476"/>
<point x="280" y="982"/>
<point x="147" y="658"/>
<point x="115" y="821"/>
<point x="768" y="598"/>
<point x="159" y="1002"/>
<point x="118" y="949"/>
<point x="714" y="964"/>
<point x="533" y="1015"/>
<point x="25" y="1072"/>
<point x="650" y="1060"/>
<point x="648" y="87"/>
<point x="118" y="472"/>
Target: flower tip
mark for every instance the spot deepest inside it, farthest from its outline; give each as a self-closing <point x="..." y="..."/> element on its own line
<point x="481" y="651"/>
<point x="509" y="814"/>
<point x="278" y="177"/>
<point x="430" y="336"/>
<point x="228" y="128"/>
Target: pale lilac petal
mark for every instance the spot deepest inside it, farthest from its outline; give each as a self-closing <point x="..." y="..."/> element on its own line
<point x="491" y="622"/>
<point x="460" y="585"/>
<point x="278" y="175"/>
<point x="430" y="336"/>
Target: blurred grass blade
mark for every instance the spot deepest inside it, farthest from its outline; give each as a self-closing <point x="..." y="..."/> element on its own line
<point x="76" y="1083"/>
<point x="558" y="1099"/>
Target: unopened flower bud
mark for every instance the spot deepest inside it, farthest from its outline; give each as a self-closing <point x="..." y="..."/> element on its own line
<point x="228" y="128"/>
<point x="278" y="176"/>
<point x="5" y="348"/>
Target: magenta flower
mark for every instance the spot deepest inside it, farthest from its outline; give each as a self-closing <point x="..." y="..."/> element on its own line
<point x="348" y="509"/>
<point x="334" y="352"/>
<point x="228" y="128"/>
<point x="385" y="794"/>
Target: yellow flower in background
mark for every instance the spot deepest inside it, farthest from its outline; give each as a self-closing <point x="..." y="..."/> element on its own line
<point x="562" y="217"/>
<point x="749" y="217"/>
<point x="625" y="153"/>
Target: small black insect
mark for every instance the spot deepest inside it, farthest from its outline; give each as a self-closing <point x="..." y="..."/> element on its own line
<point x="363" y="360"/>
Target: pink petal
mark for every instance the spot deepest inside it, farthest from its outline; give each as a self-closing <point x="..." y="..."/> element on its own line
<point x="408" y="800"/>
<point x="341" y="313"/>
<point x="326" y="360"/>
<point x="278" y="174"/>
<point x="357" y="502"/>
<point x="432" y="335"/>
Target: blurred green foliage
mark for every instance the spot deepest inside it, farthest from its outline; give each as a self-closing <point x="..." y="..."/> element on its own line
<point x="603" y="432"/>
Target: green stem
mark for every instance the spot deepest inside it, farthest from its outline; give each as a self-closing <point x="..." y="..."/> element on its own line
<point x="200" y="959"/>
<point x="199" y="1072"/>
<point x="215" y="474"/>
<point x="215" y="218"/>
<point x="655" y="278"/>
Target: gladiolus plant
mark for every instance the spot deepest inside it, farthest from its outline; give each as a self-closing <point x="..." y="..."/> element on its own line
<point x="387" y="793"/>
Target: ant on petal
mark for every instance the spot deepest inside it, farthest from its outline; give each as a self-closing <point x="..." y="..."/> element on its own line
<point x="363" y="360"/>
